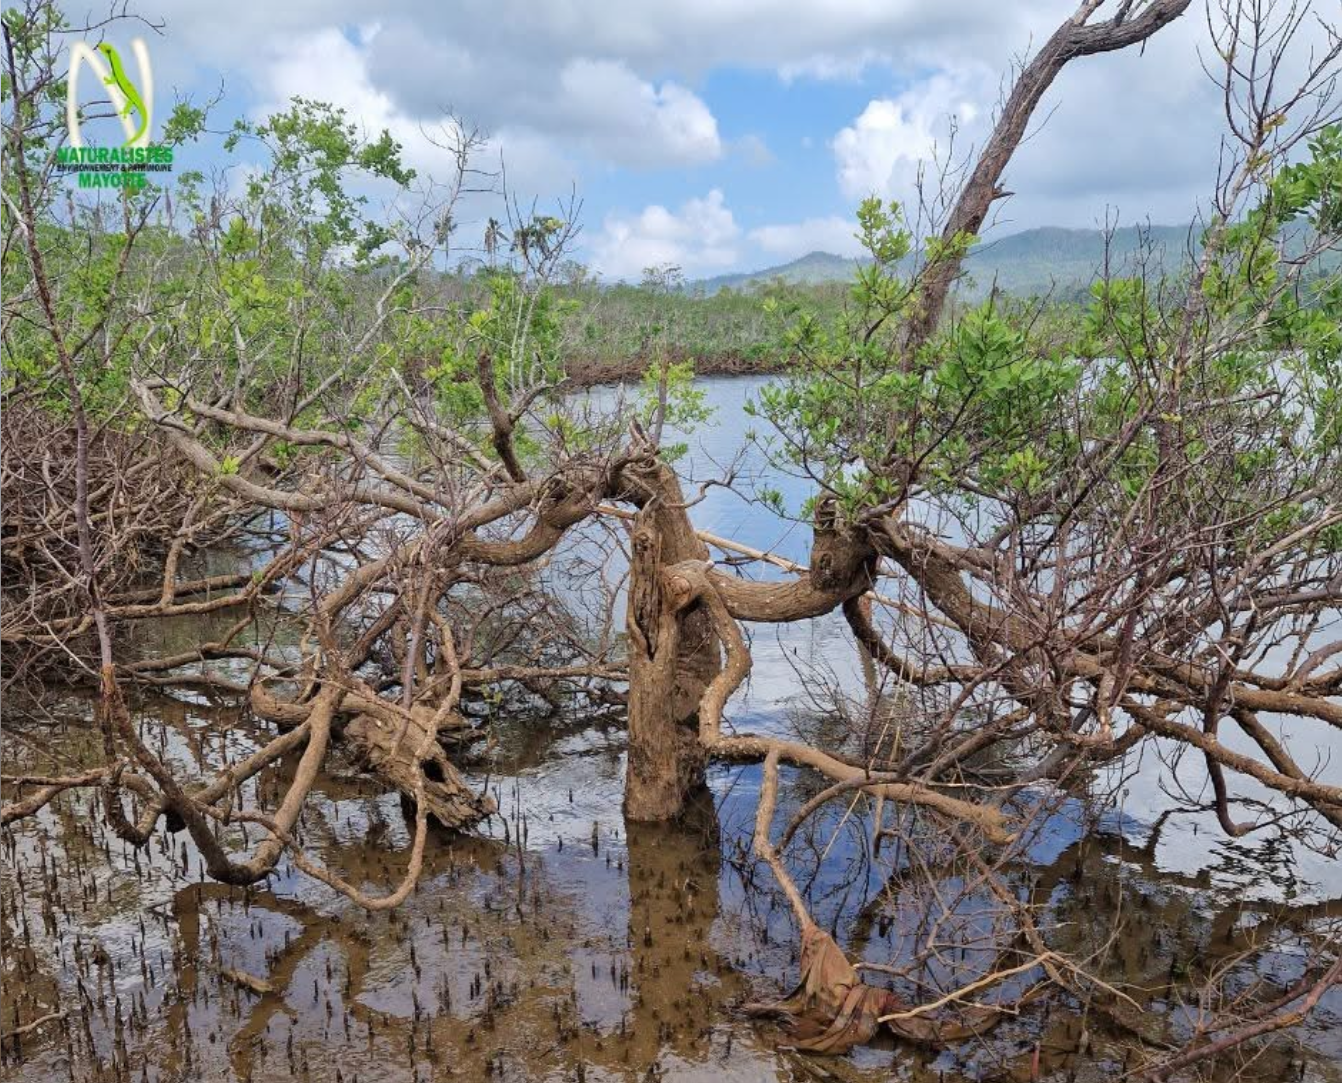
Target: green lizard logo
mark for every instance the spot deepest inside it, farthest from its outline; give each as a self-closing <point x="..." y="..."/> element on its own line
<point x="121" y="80"/>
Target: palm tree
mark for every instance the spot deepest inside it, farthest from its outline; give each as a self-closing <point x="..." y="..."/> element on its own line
<point x="493" y="234"/>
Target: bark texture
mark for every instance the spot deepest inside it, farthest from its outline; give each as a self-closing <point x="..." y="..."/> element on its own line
<point x="673" y="656"/>
<point x="387" y="742"/>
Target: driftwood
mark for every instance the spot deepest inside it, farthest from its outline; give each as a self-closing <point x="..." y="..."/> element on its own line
<point x="383" y="739"/>
<point x="250" y="982"/>
<point x="377" y="746"/>
<point x="832" y="1009"/>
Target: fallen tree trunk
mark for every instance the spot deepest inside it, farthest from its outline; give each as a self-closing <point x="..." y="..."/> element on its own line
<point x="383" y="740"/>
<point x="376" y="746"/>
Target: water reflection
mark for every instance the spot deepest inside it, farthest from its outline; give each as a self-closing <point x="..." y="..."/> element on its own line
<point x="564" y="947"/>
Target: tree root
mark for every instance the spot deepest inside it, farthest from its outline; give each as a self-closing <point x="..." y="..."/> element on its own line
<point x="832" y="1010"/>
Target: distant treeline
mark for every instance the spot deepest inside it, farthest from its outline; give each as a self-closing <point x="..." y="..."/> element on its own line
<point x="613" y="332"/>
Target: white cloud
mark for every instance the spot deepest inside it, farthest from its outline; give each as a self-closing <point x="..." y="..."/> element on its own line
<point x="1136" y="132"/>
<point x="801" y="37"/>
<point x="632" y="121"/>
<point x="831" y="67"/>
<point x="788" y="241"/>
<point x="587" y="74"/>
<point x="617" y="82"/>
<point x="596" y="105"/>
<point x="881" y="151"/>
<point x="304" y="69"/>
<point x="701" y="237"/>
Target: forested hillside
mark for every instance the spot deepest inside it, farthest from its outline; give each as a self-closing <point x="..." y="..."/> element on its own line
<point x="1049" y="261"/>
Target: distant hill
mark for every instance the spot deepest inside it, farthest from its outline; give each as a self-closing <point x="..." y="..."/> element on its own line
<point x="1067" y="261"/>
<point x="809" y="269"/>
<point x="1034" y="262"/>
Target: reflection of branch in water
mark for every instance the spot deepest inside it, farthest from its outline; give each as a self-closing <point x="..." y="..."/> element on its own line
<point x="673" y="904"/>
<point x="1159" y="945"/>
<point x="1305" y="994"/>
<point x="188" y="907"/>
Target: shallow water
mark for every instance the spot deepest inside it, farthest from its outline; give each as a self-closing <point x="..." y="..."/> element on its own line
<point x="562" y="944"/>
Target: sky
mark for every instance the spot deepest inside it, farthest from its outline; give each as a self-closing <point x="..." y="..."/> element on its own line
<point x="721" y="135"/>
